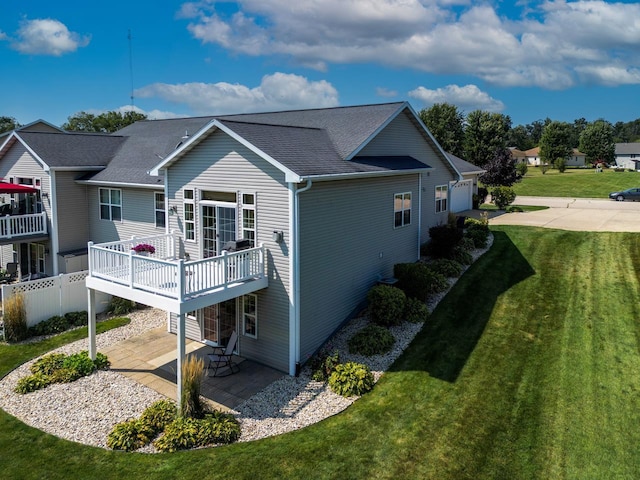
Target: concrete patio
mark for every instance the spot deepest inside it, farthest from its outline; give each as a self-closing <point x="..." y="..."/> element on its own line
<point x="150" y="359"/>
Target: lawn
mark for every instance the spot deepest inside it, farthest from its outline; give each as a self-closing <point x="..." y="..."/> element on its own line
<point x="529" y="368"/>
<point x="575" y="182"/>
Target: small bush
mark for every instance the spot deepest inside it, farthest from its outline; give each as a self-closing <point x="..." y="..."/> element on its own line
<point x="350" y="379"/>
<point x="323" y="363"/>
<point x="31" y="383"/>
<point x="462" y="256"/>
<point x="192" y="372"/>
<point x="560" y="164"/>
<point x="15" y="318"/>
<point x="482" y="194"/>
<point x="120" y="306"/>
<point x="416" y="311"/>
<point x="101" y="362"/>
<point x="80" y="362"/>
<point x="48" y="364"/>
<point x="158" y="415"/>
<point x="218" y="427"/>
<point x="522" y="169"/>
<point x="77" y="319"/>
<point x="479" y="235"/>
<point x="418" y="280"/>
<point x="467" y="245"/>
<point x="371" y="340"/>
<point x="386" y="305"/>
<point x="503" y="196"/>
<point x="443" y="239"/>
<point x="181" y="434"/>
<point x="65" y="375"/>
<point x="446" y="267"/>
<point x="58" y="324"/>
<point x="130" y="435"/>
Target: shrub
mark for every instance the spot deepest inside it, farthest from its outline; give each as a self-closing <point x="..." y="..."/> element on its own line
<point x="386" y="305"/>
<point x="181" y="434"/>
<point x="416" y="311"/>
<point x="80" y="362"/>
<point x="120" y="306"/>
<point x="130" y="435"/>
<point x="101" y="362"/>
<point x="218" y="427"/>
<point x="350" y="379"/>
<point x="323" y="363"/>
<point x="77" y="319"/>
<point x="462" y="256"/>
<point x="467" y="245"/>
<point x="443" y="239"/>
<point x="48" y="364"/>
<point x="65" y="375"/>
<point x="417" y="280"/>
<point x="446" y="267"/>
<point x="479" y="235"/>
<point x="31" y="383"/>
<point x="503" y="196"/>
<point x="522" y="169"/>
<point x="371" y="340"/>
<point x="15" y="318"/>
<point x="544" y="168"/>
<point x="192" y="372"/>
<point x="158" y="415"/>
<point x="58" y="324"/>
<point x="560" y="164"/>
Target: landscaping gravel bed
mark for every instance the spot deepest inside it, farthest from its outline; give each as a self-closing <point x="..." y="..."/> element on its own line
<point x="86" y="410"/>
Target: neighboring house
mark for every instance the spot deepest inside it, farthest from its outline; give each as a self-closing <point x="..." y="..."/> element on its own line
<point x="462" y="191"/>
<point x="518" y="155"/>
<point x="321" y="203"/>
<point x="628" y="155"/>
<point x="576" y="159"/>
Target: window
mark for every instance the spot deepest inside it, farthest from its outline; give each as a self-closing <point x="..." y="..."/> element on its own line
<point x="402" y="209"/>
<point x="249" y="218"/>
<point x="250" y="316"/>
<point x="159" y="210"/>
<point x="441" y="198"/>
<point x="110" y="204"/>
<point x="189" y="216"/>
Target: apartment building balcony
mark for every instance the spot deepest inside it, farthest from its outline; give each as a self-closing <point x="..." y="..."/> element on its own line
<point x="17" y="228"/>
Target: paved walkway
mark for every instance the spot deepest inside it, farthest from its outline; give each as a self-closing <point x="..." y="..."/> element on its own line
<point x="150" y="359"/>
<point x="579" y="214"/>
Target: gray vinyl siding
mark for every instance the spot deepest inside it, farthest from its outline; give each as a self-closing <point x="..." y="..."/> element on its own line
<point x="73" y="216"/>
<point x="18" y="162"/>
<point x="403" y="137"/>
<point x="220" y="163"/>
<point x="138" y="215"/>
<point x="192" y="328"/>
<point x="348" y="240"/>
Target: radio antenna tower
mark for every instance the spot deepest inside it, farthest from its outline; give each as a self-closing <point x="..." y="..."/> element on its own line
<point x="131" y="68"/>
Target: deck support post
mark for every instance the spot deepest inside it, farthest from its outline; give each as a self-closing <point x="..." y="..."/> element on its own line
<point x="180" y="358"/>
<point x="91" y="311"/>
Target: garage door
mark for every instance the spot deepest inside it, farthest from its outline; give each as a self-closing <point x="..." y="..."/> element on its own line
<point x="461" y="196"/>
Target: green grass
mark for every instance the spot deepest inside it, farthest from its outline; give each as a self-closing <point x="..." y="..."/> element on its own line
<point x="579" y="183"/>
<point x="524" y="208"/>
<point x="528" y="369"/>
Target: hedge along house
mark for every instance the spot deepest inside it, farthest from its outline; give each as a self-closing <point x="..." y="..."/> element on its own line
<point x="325" y="201"/>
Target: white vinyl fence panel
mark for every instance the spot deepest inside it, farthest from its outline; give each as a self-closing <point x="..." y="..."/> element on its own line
<point x="47" y="297"/>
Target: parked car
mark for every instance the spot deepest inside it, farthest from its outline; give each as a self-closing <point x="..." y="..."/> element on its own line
<point x="628" y="194"/>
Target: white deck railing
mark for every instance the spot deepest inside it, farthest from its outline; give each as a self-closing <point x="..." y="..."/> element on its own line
<point x="162" y="273"/>
<point x="19" y="225"/>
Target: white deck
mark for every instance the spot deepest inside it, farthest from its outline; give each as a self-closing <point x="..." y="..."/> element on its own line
<point x="13" y="226"/>
<point x="162" y="280"/>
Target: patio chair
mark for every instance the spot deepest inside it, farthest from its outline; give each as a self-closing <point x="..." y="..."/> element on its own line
<point x="222" y="357"/>
<point x="12" y="271"/>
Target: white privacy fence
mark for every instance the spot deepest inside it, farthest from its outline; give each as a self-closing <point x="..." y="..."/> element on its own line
<point x="47" y="297"/>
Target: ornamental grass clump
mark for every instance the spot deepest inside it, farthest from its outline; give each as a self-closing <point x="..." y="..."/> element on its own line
<point x="192" y="372"/>
<point x="349" y="379"/>
<point x="15" y="318"/>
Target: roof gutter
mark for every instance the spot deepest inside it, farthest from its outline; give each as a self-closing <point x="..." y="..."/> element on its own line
<point x="159" y="186"/>
<point x="357" y="175"/>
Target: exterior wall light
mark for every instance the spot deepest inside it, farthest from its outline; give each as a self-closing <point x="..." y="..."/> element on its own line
<point x="278" y="236"/>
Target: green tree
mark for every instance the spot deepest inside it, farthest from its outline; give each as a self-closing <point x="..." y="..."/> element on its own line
<point x="8" y="123"/>
<point x="445" y="122"/>
<point x="484" y="133"/>
<point x="555" y="142"/>
<point x="107" y="122"/>
<point x="596" y="142"/>
<point x="576" y="130"/>
<point x="501" y="170"/>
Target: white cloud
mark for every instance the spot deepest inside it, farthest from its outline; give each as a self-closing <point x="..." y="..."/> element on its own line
<point x="47" y="37"/>
<point x="551" y="45"/>
<point x="151" y="114"/>
<point x="385" y="92"/>
<point x="3" y="36"/>
<point x="276" y="92"/>
<point x="469" y="97"/>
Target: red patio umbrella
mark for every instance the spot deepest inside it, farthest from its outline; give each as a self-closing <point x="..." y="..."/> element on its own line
<point x="15" y="188"/>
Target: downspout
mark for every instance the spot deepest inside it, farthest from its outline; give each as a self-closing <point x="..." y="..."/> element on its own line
<point x="54" y="222"/>
<point x="419" y="213"/>
<point x="294" y="274"/>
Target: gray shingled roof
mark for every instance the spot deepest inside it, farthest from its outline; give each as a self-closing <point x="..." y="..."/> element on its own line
<point x="627" y="148"/>
<point x="72" y="149"/>
<point x="463" y="166"/>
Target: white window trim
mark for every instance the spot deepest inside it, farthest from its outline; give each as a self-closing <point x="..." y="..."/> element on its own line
<point x="156" y="209"/>
<point x="100" y="204"/>
<point x="439" y="201"/>
<point x="246" y="315"/>
<point x="402" y="209"/>
<point x="189" y="201"/>
<point x="248" y="207"/>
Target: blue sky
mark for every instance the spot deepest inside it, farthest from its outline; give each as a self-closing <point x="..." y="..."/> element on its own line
<point x="527" y="59"/>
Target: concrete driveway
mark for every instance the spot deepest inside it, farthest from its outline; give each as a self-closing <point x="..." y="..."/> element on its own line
<point x="581" y="214"/>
